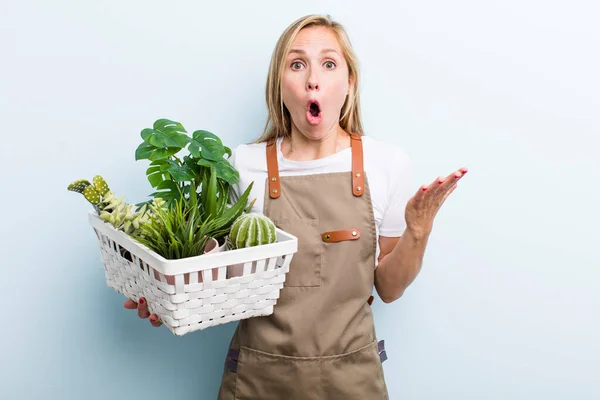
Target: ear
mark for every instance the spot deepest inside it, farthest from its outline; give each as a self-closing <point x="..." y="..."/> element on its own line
<point x="350" y="86"/>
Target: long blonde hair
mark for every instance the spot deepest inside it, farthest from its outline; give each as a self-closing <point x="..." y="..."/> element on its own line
<point x="278" y="120"/>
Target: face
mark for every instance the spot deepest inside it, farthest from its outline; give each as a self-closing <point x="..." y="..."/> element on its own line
<point x="315" y="82"/>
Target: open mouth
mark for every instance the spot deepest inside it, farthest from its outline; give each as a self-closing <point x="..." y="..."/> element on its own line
<point x="313" y="112"/>
<point x="314" y="109"/>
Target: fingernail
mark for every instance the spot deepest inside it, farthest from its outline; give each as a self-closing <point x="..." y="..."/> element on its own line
<point x="153" y="318"/>
<point x="142" y="300"/>
<point x="425" y="188"/>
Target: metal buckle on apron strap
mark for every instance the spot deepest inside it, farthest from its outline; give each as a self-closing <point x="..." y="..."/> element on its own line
<point x="232" y="359"/>
<point x="381" y="351"/>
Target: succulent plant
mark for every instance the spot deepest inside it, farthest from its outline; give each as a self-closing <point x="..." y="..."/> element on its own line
<point x="92" y="192"/>
<point x="120" y="214"/>
<point x="252" y="229"/>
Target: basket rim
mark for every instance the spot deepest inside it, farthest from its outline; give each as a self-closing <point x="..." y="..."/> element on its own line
<point x="286" y="244"/>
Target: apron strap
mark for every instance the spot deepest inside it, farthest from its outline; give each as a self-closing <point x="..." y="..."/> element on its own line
<point x="273" y="169"/>
<point x="358" y="173"/>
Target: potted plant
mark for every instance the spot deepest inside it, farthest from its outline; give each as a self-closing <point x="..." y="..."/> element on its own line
<point x="176" y="248"/>
<point x="204" y="168"/>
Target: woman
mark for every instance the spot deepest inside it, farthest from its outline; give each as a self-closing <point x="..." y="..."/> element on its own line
<point x="346" y="197"/>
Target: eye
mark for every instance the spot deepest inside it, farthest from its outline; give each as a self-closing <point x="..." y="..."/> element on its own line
<point x="297" y="65"/>
<point x="329" y="65"/>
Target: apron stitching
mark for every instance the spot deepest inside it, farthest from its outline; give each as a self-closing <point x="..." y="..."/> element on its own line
<point x="312" y="358"/>
<point x="321" y="377"/>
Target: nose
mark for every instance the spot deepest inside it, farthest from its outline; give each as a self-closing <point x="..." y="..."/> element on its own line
<point x="312" y="83"/>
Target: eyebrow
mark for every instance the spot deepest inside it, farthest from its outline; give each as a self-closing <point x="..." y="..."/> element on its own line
<point x="299" y="51"/>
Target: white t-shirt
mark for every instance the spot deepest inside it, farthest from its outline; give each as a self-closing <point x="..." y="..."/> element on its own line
<point x="387" y="167"/>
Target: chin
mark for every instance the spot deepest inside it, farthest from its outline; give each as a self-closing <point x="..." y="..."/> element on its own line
<point x="314" y="132"/>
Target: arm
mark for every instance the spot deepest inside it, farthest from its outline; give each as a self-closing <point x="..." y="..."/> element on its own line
<point x="401" y="258"/>
<point x="400" y="261"/>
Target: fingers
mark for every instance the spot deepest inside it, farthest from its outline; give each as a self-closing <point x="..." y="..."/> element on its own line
<point x="155" y="321"/>
<point x="420" y="195"/>
<point x="448" y="184"/>
<point x="441" y="187"/>
<point x="130" y="304"/>
<point x="447" y="193"/>
<point x="143" y="308"/>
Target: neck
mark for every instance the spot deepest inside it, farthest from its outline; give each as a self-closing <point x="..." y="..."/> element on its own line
<point x="298" y="147"/>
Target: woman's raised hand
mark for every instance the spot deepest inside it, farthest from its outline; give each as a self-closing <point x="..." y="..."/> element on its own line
<point x="422" y="208"/>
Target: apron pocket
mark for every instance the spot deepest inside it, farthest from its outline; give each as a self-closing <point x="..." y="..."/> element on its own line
<point x="268" y="376"/>
<point x="355" y="376"/>
<point x="305" y="268"/>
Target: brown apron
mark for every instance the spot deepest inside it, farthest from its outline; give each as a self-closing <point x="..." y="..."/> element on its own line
<point x="320" y="341"/>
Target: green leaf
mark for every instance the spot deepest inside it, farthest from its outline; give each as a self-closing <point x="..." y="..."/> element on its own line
<point x="166" y="134"/>
<point x="226" y="172"/>
<point x="205" y="163"/>
<point x="144" y="151"/>
<point x="169" y="126"/>
<point x="223" y="197"/>
<point x="156" y="179"/>
<point x="155" y="174"/>
<point x="211" y="195"/>
<point x="195" y="169"/>
<point x="167" y="190"/>
<point x="180" y="173"/>
<point x="206" y="145"/>
<point x="235" y="210"/>
<point x="162" y="154"/>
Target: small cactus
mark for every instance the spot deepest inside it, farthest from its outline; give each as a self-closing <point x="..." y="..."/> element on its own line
<point x="100" y="185"/>
<point x="79" y="185"/>
<point x="120" y="214"/>
<point x="252" y="229"/>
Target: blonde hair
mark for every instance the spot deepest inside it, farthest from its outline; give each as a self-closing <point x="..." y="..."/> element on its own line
<point x="279" y="120"/>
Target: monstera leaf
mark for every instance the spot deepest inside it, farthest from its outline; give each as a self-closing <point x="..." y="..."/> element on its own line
<point x="163" y="140"/>
<point x="206" y="145"/>
<point x="206" y="167"/>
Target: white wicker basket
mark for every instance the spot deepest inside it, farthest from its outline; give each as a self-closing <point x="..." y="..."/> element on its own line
<point x="197" y="292"/>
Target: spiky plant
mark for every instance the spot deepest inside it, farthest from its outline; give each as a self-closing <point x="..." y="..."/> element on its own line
<point x="252" y="229"/>
<point x="120" y="214"/>
<point x="181" y="230"/>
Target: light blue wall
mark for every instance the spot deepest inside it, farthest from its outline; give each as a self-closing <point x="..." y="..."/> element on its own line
<point x="507" y="304"/>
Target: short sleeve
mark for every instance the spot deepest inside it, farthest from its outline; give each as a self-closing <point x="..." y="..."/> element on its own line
<point x="399" y="192"/>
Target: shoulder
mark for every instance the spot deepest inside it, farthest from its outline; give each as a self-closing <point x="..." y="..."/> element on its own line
<point x="385" y="155"/>
<point x="249" y="157"/>
<point x="389" y="170"/>
<point x="250" y="163"/>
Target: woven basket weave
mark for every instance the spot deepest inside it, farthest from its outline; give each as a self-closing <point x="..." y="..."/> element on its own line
<point x="197" y="292"/>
